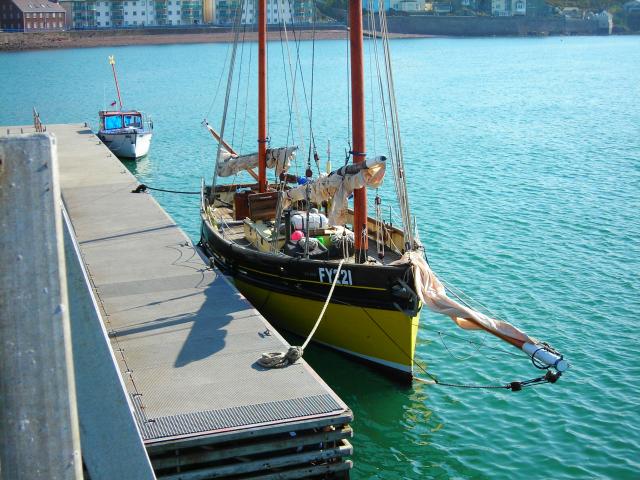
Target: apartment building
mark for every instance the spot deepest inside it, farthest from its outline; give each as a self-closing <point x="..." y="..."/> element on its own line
<point x="278" y="11"/>
<point x="132" y="13"/>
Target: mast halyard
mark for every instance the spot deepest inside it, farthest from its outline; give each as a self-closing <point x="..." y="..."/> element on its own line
<point x="262" y="95"/>
<point x="358" y="127"/>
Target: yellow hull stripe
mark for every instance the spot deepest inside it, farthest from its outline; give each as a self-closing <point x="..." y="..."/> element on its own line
<point x="387" y="337"/>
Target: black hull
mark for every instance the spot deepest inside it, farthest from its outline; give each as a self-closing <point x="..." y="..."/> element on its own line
<point x="370" y="286"/>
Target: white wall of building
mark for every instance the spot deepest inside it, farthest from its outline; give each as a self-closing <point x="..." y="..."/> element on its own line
<point x="278" y="11"/>
<point x="137" y="13"/>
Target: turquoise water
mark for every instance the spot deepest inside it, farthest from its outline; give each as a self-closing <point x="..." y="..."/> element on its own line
<point x="523" y="157"/>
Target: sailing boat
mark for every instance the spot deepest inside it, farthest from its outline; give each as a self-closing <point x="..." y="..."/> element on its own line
<point x="294" y="247"/>
<point x="127" y="133"/>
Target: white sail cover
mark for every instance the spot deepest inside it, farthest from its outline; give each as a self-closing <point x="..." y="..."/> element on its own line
<point x="433" y="295"/>
<point x="278" y="158"/>
<point x="339" y="185"/>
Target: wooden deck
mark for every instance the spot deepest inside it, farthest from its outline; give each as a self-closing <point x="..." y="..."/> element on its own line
<point x="234" y="231"/>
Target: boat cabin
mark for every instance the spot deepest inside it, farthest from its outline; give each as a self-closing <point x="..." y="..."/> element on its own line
<point x="114" y="120"/>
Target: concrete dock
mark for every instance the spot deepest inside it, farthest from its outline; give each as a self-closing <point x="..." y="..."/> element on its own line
<point x="187" y="342"/>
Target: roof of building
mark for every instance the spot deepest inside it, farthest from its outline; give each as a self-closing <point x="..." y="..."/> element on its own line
<point x="44" y="6"/>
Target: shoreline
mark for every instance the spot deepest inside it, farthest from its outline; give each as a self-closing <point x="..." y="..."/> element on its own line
<point x="16" y="42"/>
<point x="19" y="41"/>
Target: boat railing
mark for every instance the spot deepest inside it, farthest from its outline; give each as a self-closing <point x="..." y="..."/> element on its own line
<point x="37" y="123"/>
<point x="148" y="122"/>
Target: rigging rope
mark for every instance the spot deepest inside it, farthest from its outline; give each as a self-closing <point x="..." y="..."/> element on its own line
<point x="294" y="77"/>
<point x="248" y="82"/>
<point x="515" y="386"/>
<point x="232" y="62"/>
<point x="283" y="359"/>
<point x="298" y="42"/>
<point x="224" y="62"/>
<point x="348" y="83"/>
<point x="235" y="108"/>
<point x="391" y="123"/>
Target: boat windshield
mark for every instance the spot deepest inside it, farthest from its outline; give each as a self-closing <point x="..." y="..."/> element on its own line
<point x="112" y="122"/>
<point x="133" y="121"/>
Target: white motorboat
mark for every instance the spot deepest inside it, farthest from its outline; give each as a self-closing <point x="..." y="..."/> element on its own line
<point x="127" y="133"/>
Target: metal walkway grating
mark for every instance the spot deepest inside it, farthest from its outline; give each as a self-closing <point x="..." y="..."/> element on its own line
<point x="185" y="340"/>
<point x="235" y="417"/>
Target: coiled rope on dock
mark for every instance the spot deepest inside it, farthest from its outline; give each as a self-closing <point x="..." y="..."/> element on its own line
<point x="283" y="359"/>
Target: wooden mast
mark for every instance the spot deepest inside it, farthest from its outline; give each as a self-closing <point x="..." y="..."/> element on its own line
<point x="358" y="127"/>
<point x="262" y="95"/>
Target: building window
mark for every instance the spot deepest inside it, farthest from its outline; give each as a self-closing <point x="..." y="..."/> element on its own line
<point x="97" y="14"/>
<point x="106" y="23"/>
<point x="135" y="12"/>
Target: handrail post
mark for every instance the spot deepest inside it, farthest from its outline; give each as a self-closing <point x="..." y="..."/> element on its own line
<point x="39" y="437"/>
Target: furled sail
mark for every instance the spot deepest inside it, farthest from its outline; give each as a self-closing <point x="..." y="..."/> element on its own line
<point x="432" y="293"/>
<point x="339" y="185"/>
<point x="278" y="158"/>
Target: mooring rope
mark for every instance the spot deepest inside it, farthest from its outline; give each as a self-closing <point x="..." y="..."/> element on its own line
<point x="143" y="188"/>
<point x="283" y="359"/>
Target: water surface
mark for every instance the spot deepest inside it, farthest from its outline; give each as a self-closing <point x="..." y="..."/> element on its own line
<point x="523" y="158"/>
